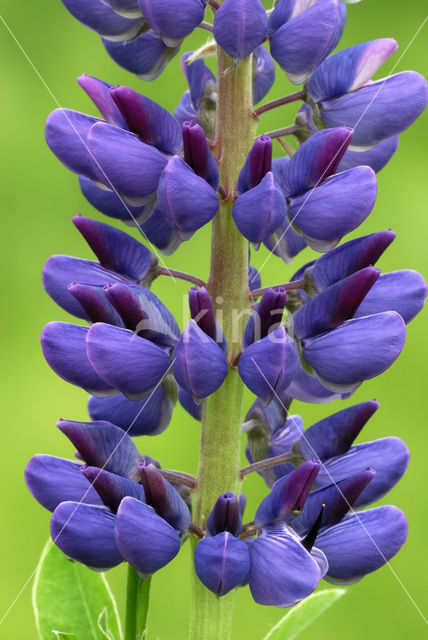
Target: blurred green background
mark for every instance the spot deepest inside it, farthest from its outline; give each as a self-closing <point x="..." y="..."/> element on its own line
<point x="39" y="197"/>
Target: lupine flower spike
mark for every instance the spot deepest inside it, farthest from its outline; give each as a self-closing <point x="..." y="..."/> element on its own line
<point x="315" y="336"/>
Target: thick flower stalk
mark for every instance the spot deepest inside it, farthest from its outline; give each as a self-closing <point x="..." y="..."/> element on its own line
<point x="315" y="336"/>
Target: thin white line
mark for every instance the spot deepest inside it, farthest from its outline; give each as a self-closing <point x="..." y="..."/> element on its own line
<point x="351" y="509"/>
<point x="310" y="192"/>
<point x="26" y="583"/>
<point x="84" y="143"/>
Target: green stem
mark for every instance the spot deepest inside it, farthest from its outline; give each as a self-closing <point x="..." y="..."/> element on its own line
<point x="137" y="605"/>
<point x="219" y="462"/>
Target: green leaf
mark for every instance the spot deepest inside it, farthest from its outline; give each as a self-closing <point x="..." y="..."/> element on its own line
<point x="300" y="616"/>
<point x="70" y="597"/>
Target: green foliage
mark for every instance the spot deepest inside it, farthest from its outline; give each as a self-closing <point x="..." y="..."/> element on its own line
<point x="303" y="614"/>
<point x="71" y="602"/>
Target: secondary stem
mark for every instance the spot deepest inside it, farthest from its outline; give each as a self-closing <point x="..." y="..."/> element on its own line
<point x="279" y="102"/>
<point x="180" y="275"/>
<point x="219" y="461"/>
<point x="137" y="605"/>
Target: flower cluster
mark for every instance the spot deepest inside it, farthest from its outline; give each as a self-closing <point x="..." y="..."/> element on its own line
<point x="338" y="322"/>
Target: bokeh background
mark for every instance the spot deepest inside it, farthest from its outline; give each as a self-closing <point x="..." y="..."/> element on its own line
<point x="38" y="198"/>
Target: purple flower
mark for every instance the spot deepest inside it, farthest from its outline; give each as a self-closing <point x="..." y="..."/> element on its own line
<point x="130" y="364"/>
<point x="125" y="7"/>
<point x="257" y="164"/>
<point x="64" y="348"/>
<point x="330" y="440"/>
<point x="122" y="259"/>
<point x="53" y="480"/>
<point x="101" y="18"/>
<point x="276" y="582"/>
<point x="335" y="208"/>
<point x="153" y="124"/>
<point x="146" y="56"/>
<point x="100" y="505"/>
<point x="316" y="160"/>
<point x="268" y="363"/>
<point x="378" y="110"/>
<point x="300" y="39"/>
<point x="199" y="364"/>
<point x="146" y="417"/>
<point x="348" y="258"/>
<point x="375" y="157"/>
<point x="402" y="291"/>
<point x="173" y="20"/>
<point x="354" y="543"/>
<point x="222" y="560"/>
<point x="357" y="350"/>
<point x="263" y="73"/>
<point x="240" y="26"/>
<point x="143" y="538"/>
<point x="334" y="305"/>
<point x="259" y="212"/>
<point x="186" y="199"/>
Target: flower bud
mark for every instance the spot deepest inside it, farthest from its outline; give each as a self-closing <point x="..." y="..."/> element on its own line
<point x="199" y="364"/>
<point x="165" y="500"/>
<point x="225" y="516"/>
<point x="267" y="314"/>
<point x="222" y="562"/>
<point x="239" y="32"/>
<point x="173" y="20"/>
<point x="198" y="155"/>
<point x="187" y="200"/>
<point x="257" y="164"/>
<point x="202" y="312"/>
<point x="260" y="211"/>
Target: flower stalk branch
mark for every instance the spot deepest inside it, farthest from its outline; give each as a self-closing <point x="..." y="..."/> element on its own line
<point x="180" y="275"/>
<point x="279" y="102"/>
